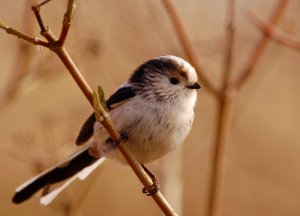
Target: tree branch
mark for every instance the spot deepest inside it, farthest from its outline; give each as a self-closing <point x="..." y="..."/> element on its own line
<point x="66" y="22"/>
<point x="260" y="47"/>
<point x="188" y="46"/>
<point x="223" y="120"/>
<point x="57" y="47"/>
<point x="229" y="45"/>
<point x="23" y="36"/>
<point x="226" y="97"/>
<point x="64" y="56"/>
<point x="277" y="35"/>
<point x="45" y="30"/>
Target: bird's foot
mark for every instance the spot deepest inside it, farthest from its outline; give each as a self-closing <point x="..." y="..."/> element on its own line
<point x="152" y="189"/>
<point x="113" y="145"/>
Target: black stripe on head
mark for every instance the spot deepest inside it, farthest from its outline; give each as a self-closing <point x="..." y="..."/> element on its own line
<point x="152" y="68"/>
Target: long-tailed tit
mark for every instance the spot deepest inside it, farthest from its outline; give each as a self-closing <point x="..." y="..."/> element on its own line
<point x="153" y="110"/>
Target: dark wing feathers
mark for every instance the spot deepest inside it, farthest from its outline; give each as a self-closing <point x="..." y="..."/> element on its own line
<point x="86" y="130"/>
<point x="121" y="95"/>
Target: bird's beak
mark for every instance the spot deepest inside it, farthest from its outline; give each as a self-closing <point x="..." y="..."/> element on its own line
<point x="194" y="86"/>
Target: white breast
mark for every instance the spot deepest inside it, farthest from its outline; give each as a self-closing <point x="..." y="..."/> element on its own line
<point x="153" y="129"/>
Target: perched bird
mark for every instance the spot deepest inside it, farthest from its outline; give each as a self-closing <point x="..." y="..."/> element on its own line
<point x="153" y="111"/>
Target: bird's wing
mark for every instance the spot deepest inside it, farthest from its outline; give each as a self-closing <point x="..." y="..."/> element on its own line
<point x="86" y="130"/>
<point x="123" y="94"/>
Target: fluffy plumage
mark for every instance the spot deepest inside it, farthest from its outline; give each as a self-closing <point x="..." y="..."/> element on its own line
<point x="155" y="111"/>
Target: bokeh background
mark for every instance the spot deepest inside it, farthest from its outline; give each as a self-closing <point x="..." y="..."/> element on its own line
<point x="42" y="109"/>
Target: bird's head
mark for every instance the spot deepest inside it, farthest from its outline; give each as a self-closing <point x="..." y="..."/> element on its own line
<point x="164" y="78"/>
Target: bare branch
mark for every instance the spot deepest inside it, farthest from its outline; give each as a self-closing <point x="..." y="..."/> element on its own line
<point x="260" y="46"/>
<point x="23" y="36"/>
<point x="36" y="10"/>
<point x="188" y="47"/>
<point x="228" y="91"/>
<point x="44" y="2"/>
<point x="45" y="30"/>
<point x="66" y="22"/>
<point x="277" y="35"/>
<point x="223" y="119"/>
<point x="135" y="165"/>
<point x="229" y="44"/>
<point x="74" y="71"/>
<point x="57" y="47"/>
<point x="109" y="126"/>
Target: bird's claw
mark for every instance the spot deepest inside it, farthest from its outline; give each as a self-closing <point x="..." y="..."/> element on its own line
<point x="113" y="145"/>
<point x="124" y="137"/>
<point x="152" y="189"/>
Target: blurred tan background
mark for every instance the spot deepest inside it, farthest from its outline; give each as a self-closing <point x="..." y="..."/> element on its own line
<point x="41" y="115"/>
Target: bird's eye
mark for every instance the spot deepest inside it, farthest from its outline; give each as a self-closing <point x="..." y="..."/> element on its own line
<point x="174" y="80"/>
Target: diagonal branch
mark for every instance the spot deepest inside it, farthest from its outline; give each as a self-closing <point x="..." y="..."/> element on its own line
<point x="277" y="35"/>
<point x="260" y="46"/>
<point x="188" y="46"/>
<point x="75" y="73"/>
<point x="36" y="10"/>
<point x="23" y="36"/>
<point x="135" y="165"/>
<point x="56" y="46"/>
<point x="45" y="30"/>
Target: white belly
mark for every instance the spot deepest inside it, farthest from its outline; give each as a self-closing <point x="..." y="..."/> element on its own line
<point x="152" y="131"/>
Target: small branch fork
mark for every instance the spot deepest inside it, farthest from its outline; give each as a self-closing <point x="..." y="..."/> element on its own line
<point x="260" y="46"/>
<point x="224" y="108"/>
<point x="188" y="46"/>
<point x="56" y="45"/>
<point x="277" y="35"/>
<point x="226" y="93"/>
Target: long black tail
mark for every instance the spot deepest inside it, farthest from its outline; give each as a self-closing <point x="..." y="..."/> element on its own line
<point x="55" y="175"/>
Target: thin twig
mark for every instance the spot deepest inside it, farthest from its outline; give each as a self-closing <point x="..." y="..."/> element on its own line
<point x="260" y="46"/>
<point x="45" y="30"/>
<point x="277" y="35"/>
<point x="225" y="102"/>
<point x="56" y="47"/>
<point x="70" y="65"/>
<point x="223" y="119"/>
<point x="228" y="62"/>
<point x="36" y="10"/>
<point x="135" y="165"/>
<point x="188" y="47"/>
<point x="23" y="36"/>
<point x="44" y="2"/>
<point x="66" y="22"/>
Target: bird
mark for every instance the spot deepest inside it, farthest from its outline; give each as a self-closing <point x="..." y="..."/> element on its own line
<point x="153" y="111"/>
